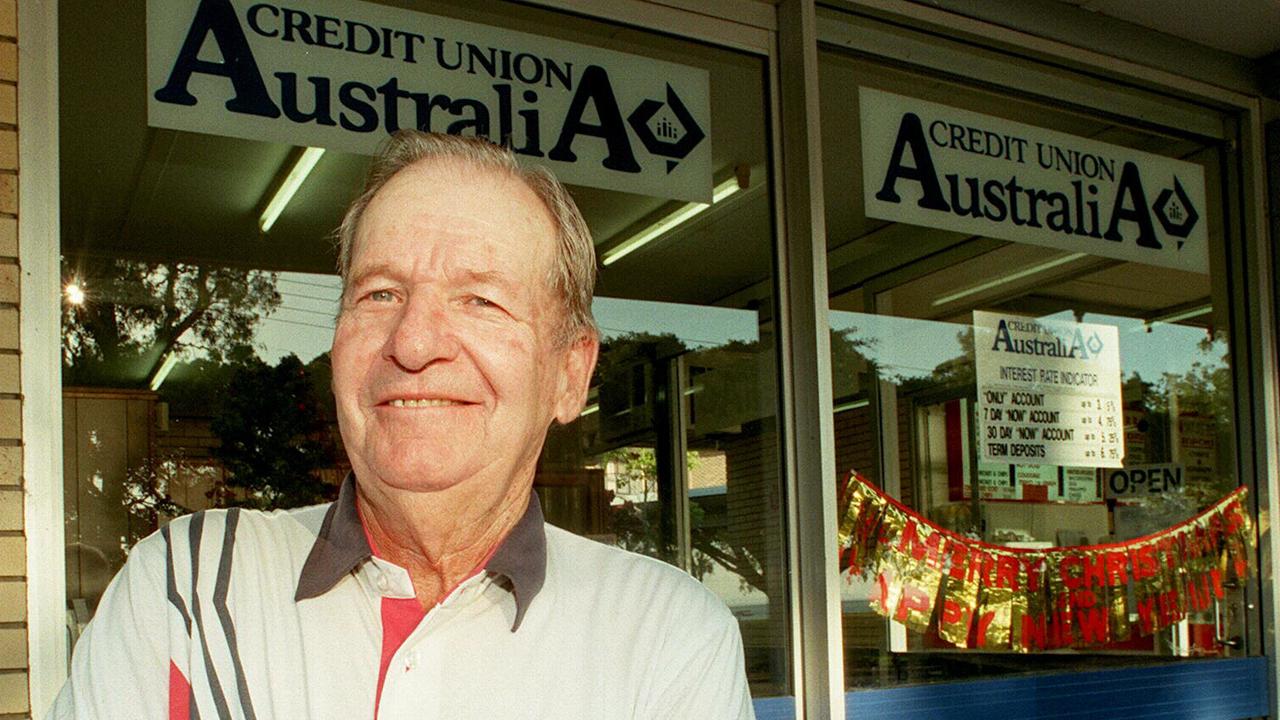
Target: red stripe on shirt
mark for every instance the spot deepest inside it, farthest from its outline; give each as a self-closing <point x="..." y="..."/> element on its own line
<point x="399" y="618"/>
<point x="179" y="694"/>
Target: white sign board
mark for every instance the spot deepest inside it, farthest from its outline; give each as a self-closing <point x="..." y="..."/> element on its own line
<point x="1139" y="481"/>
<point x="1195" y="445"/>
<point x="1048" y="391"/>
<point x="1036" y="483"/>
<point x="941" y="167"/>
<point x="343" y="75"/>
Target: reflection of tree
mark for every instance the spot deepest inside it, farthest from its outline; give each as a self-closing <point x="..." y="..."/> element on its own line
<point x="958" y="372"/>
<point x="273" y="439"/>
<point x="1204" y="388"/>
<point x="849" y="348"/>
<point x="149" y="487"/>
<point x="710" y="541"/>
<point x="635" y="472"/>
<point x="135" y="313"/>
<point x="850" y="364"/>
<point x="272" y="425"/>
<point x="270" y="421"/>
<point x="1203" y="391"/>
<point x="618" y="354"/>
<point x="635" y="521"/>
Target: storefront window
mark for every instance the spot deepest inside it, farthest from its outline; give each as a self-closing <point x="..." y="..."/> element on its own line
<point x="195" y="350"/>
<point x="1029" y="353"/>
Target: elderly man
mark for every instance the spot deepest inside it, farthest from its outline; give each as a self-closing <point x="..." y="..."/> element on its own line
<point x="431" y="588"/>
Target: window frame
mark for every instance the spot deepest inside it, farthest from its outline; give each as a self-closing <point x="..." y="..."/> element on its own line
<point x="788" y="35"/>
<point x="928" y="40"/>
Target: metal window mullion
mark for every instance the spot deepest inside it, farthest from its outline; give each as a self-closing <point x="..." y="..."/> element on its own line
<point x="678" y="427"/>
<point x="1259" y="331"/>
<point x="806" y="363"/>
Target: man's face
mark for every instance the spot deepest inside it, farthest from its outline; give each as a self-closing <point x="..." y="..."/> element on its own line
<point x="446" y="365"/>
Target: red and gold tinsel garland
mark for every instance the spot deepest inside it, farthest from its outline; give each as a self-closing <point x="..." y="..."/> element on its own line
<point x="975" y="594"/>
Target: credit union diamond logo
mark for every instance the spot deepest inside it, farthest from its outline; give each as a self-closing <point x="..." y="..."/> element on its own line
<point x="667" y="129"/>
<point x="1094" y="344"/>
<point x="1175" y="212"/>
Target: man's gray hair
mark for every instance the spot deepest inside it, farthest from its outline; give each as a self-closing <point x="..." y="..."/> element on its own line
<point x="573" y="269"/>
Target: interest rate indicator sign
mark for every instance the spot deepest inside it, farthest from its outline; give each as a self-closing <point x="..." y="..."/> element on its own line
<point x="1048" y="391"/>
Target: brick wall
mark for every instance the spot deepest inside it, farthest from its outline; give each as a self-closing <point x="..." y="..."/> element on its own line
<point x="14" y="702"/>
<point x="856" y="448"/>
<point x="753" y="500"/>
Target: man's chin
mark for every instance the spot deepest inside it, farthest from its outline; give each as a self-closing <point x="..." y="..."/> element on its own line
<point x="417" y="476"/>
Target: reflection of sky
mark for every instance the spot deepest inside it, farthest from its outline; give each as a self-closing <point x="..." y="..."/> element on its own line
<point x="303" y="324"/>
<point x="1167" y="348"/>
<point x="698" y="326"/>
<point x="907" y="348"/>
<point x="901" y="347"/>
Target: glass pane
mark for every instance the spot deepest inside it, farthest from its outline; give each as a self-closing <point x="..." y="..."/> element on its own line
<point x="196" y="344"/>
<point x="918" y="308"/>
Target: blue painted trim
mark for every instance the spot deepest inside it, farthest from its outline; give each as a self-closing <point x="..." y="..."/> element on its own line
<point x="775" y="708"/>
<point x="1190" y="690"/>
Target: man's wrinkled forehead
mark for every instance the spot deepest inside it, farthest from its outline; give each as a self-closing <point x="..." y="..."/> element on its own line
<point x="416" y="199"/>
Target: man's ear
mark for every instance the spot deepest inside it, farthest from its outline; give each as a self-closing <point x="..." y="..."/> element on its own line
<point x="577" y="365"/>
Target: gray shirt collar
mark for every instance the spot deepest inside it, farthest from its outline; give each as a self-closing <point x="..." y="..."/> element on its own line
<point x="341" y="547"/>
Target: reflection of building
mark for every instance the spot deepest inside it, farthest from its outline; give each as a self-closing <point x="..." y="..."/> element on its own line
<point x="108" y="435"/>
<point x="714" y="315"/>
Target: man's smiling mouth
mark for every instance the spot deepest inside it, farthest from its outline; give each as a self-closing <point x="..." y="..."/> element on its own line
<point x="401" y="403"/>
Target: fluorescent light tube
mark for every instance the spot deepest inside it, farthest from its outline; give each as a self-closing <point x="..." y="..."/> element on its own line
<point x="1182" y="315"/>
<point x="157" y="380"/>
<point x="668" y="223"/>
<point x="292" y="182"/>
<point x="1018" y="275"/>
<point x="851" y="405"/>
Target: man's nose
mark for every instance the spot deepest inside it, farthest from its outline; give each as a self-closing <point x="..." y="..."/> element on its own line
<point x="423" y="334"/>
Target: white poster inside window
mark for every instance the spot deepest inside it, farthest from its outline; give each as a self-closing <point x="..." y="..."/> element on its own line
<point x="1037" y="483"/>
<point x="1048" y="391"/>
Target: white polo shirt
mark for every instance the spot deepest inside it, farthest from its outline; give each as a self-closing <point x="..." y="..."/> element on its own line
<point x="242" y="614"/>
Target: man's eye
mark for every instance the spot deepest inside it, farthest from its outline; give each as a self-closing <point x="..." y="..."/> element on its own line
<point x="482" y="301"/>
<point x="381" y="296"/>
